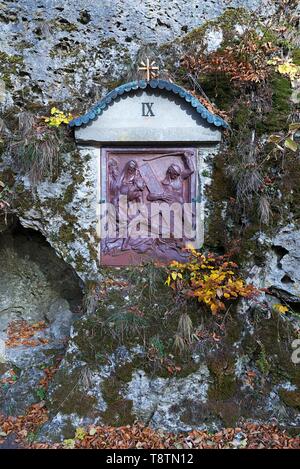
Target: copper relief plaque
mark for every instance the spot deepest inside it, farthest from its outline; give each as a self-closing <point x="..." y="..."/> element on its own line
<point x="146" y="190"/>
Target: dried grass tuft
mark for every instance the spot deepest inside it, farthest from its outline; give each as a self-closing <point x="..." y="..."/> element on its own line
<point x="246" y="173"/>
<point x="265" y="211"/>
<point x="37" y="148"/>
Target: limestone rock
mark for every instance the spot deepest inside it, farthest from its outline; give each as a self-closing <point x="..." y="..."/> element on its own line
<point x="158" y="401"/>
<point x="34" y="286"/>
<point x="283" y="266"/>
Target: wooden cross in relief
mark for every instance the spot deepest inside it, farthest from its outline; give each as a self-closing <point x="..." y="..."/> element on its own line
<point x="149" y="68"/>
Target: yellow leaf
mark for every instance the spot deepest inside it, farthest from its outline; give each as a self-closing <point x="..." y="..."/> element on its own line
<point x="290" y="69"/>
<point x="174" y="275"/>
<point x="280" y="308"/>
<point x="168" y="281"/>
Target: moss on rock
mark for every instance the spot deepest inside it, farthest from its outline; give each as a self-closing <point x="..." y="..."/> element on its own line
<point x="290" y="398"/>
<point x="221" y="366"/>
<point x="66" y="234"/>
<point x="277" y="118"/>
<point x="69" y="396"/>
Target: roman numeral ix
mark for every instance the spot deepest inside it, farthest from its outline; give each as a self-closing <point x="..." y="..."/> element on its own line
<point x="147" y="110"/>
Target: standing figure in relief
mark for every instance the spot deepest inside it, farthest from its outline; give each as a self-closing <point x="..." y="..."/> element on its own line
<point x="173" y="193"/>
<point x="131" y="183"/>
<point x="132" y="186"/>
<point x="113" y="173"/>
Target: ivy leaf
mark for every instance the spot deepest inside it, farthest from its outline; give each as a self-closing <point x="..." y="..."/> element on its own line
<point x="291" y="144"/>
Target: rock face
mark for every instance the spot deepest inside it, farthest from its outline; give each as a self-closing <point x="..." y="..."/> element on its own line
<point x="68" y="54"/>
<point x="65" y="212"/>
<point x="36" y="286"/>
<point x="94" y="39"/>
<point x="32" y="282"/>
<point x="159" y="401"/>
<point x="283" y="271"/>
<point x="108" y="376"/>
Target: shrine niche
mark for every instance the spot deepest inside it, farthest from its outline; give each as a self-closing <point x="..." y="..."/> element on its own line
<point x="149" y="138"/>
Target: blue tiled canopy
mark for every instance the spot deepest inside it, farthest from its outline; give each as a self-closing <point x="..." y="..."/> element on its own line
<point x="99" y="107"/>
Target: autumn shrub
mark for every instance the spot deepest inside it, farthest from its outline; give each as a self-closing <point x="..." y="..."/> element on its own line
<point x="211" y="279"/>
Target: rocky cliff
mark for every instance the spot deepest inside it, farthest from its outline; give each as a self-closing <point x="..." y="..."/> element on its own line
<point x="112" y="367"/>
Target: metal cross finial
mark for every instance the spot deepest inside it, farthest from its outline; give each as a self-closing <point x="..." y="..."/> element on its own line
<point x="150" y="68"/>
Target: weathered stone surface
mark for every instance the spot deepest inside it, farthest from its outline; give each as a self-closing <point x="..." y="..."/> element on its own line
<point x="283" y="266"/>
<point x="95" y="38"/>
<point x="33" y="278"/>
<point x="68" y="55"/>
<point x="236" y="378"/>
<point x="75" y="396"/>
<point x="159" y="401"/>
<point x="35" y="285"/>
<point x="61" y="318"/>
<point x="65" y="211"/>
<point x="23" y="393"/>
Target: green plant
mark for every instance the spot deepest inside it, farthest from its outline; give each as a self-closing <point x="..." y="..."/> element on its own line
<point x="31" y="437"/>
<point x="179" y="344"/>
<point x="246" y="172"/>
<point x="157" y="344"/>
<point x="184" y="334"/>
<point x="264" y="208"/>
<point x="262" y="362"/>
<point x="41" y="393"/>
<point x="80" y="433"/>
<point x="127" y="323"/>
<point x="185" y="328"/>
